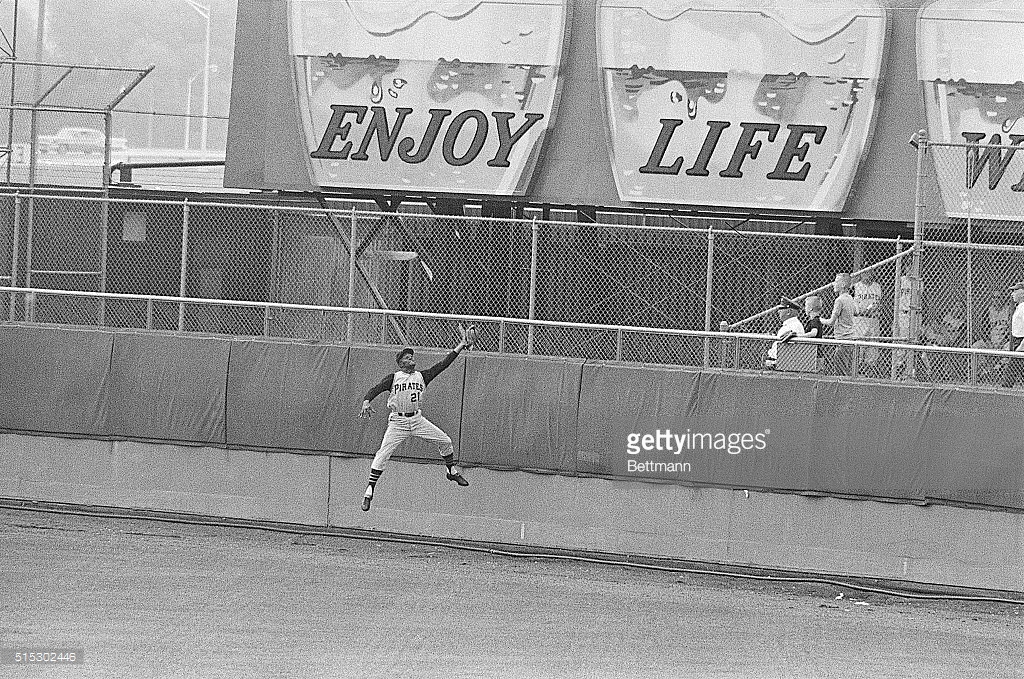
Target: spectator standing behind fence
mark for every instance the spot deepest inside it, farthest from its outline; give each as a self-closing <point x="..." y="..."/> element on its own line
<point x="998" y="336"/>
<point x="867" y="298"/>
<point x="999" y="312"/>
<point x="841" y="322"/>
<point x="948" y="331"/>
<point x="1013" y="371"/>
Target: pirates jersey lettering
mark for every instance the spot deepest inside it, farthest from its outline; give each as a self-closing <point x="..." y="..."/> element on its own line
<point x="406" y="392"/>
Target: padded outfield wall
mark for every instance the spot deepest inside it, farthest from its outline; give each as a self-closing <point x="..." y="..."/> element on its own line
<point x="881" y="480"/>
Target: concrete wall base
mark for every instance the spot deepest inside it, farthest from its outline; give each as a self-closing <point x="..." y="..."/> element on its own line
<point x="933" y="544"/>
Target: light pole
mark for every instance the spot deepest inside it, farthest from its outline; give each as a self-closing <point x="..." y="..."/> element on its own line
<point x="188" y="111"/>
<point x="188" y="106"/>
<point x="203" y="11"/>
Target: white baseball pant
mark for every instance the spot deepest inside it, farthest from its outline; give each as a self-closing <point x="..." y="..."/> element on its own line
<point x="400" y="429"/>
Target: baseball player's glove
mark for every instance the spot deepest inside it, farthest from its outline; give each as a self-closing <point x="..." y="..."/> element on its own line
<point x="469" y="336"/>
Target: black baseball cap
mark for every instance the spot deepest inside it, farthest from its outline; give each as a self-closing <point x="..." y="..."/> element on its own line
<point x="786" y="303"/>
<point x="404" y="352"/>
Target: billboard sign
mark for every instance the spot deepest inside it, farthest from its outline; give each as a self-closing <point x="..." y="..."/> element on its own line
<point x="738" y="103"/>
<point x="426" y="95"/>
<point x="971" y="66"/>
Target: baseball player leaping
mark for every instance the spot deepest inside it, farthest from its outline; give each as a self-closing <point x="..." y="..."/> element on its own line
<point x="405" y="419"/>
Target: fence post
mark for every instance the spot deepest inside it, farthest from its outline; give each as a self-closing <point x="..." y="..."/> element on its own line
<point x="351" y="276"/>
<point x="893" y="365"/>
<point x="108" y="130"/>
<point x="708" y="289"/>
<point x="618" y="344"/>
<point x="916" y="282"/>
<point x="535" y="231"/>
<point x="33" y="145"/>
<point x="10" y="113"/>
<point x="973" y="367"/>
<point x="149" y="313"/>
<point x="184" y="264"/>
<point x="275" y="260"/>
<point x="28" y="250"/>
<point x="16" y="236"/>
<point x="722" y="327"/>
<point x="101" y="312"/>
<point x="501" y="336"/>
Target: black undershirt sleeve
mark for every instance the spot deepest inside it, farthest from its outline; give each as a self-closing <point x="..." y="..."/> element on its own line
<point x="385" y="385"/>
<point x="436" y="369"/>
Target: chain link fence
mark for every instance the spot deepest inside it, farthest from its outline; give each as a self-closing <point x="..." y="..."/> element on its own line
<point x="973" y="246"/>
<point x="609" y="274"/>
<point x="680" y="273"/>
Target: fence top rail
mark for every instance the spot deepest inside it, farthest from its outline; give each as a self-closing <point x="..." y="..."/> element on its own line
<point x="953" y="245"/>
<point x="364" y="214"/>
<point x="976" y="145"/>
<point x="46" y="108"/>
<point x="702" y="334"/>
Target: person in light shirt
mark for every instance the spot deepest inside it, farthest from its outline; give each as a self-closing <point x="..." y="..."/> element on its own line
<point x="867" y="300"/>
<point x="791" y="327"/>
<point x="1013" y="371"/>
<point x="841" y="322"/>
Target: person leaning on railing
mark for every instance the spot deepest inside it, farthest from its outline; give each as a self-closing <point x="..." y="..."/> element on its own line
<point x="789" y="313"/>
<point x="1013" y="371"/>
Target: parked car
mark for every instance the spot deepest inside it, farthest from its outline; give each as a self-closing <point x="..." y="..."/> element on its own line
<point x="79" y="140"/>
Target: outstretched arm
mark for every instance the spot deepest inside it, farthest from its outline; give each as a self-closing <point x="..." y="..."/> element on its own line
<point x="468" y="337"/>
<point x="385" y="385"/>
<point x="439" y="367"/>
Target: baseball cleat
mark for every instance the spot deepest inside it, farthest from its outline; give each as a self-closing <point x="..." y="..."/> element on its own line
<point x="458" y="478"/>
<point x="366" y="502"/>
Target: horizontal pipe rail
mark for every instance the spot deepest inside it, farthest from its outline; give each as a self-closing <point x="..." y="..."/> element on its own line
<point x="711" y="334"/>
<point x="347" y="213"/>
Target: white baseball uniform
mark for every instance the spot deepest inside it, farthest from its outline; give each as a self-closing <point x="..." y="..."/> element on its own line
<point x="790" y="325"/>
<point x="405" y="399"/>
<point x="867" y="297"/>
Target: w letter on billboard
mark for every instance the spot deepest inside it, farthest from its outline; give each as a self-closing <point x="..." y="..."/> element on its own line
<point x="429" y="95"/>
<point x="767" y="104"/>
<point x="971" y="64"/>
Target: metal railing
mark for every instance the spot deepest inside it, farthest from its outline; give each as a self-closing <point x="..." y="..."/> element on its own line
<point x="643" y="345"/>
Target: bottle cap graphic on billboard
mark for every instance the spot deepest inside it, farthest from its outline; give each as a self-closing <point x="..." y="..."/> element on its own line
<point x="432" y="95"/>
<point x="752" y="103"/>
<point x="971" y="66"/>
